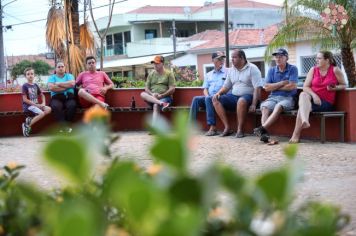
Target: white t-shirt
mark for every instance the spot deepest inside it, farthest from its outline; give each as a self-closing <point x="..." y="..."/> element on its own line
<point x="243" y="81"/>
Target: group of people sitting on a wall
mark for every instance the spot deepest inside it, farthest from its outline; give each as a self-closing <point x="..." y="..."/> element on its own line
<point x="225" y="89"/>
<point x="238" y="89"/>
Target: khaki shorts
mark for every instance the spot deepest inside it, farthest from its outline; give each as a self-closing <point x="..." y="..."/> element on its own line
<point x="286" y="102"/>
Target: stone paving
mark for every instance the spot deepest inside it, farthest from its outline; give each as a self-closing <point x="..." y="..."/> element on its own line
<point x="329" y="169"/>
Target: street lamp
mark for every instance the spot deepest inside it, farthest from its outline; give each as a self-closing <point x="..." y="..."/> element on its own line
<point x="2" y="58"/>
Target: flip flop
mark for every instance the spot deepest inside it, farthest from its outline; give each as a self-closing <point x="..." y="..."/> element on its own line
<point x="211" y="133"/>
<point x="272" y="142"/>
<point x="239" y="135"/>
<point x="226" y="133"/>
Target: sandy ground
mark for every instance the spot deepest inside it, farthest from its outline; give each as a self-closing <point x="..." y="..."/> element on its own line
<point x="329" y="169"/>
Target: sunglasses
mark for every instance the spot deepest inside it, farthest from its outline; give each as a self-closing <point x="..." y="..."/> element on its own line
<point x="90" y="62"/>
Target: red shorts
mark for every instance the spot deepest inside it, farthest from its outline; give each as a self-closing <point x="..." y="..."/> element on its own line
<point x="85" y="104"/>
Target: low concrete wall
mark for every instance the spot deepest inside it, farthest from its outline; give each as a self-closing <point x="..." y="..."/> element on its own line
<point x="11" y="125"/>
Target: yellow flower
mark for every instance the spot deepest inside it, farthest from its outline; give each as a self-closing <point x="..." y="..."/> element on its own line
<point x="95" y="112"/>
<point x="154" y="169"/>
<point x="12" y="165"/>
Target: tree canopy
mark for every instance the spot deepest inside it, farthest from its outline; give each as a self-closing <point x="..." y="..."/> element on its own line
<point x="309" y="20"/>
<point x="40" y="67"/>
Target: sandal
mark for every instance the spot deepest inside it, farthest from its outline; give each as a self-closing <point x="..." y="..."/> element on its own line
<point x="226" y="133"/>
<point x="272" y="142"/>
<point x="211" y="133"/>
<point x="239" y="135"/>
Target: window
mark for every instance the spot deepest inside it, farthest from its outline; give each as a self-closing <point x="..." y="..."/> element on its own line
<point x="244" y="26"/>
<point x="261" y="66"/>
<point x="208" y="68"/>
<point x="127" y="37"/>
<point x="116" y="43"/>
<point x="182" y="33"/>
<point x="309" y="61"/>
<point x="150" y="33"/>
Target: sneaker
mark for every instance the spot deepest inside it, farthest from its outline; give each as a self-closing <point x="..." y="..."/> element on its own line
<point x="69" y="130"/>
<point x="264" y="138"/>
<point x="165" y="106"/>
<point x="26" y="130"/>
<point x="259" y="131"/>
<point x="28" y="120"/>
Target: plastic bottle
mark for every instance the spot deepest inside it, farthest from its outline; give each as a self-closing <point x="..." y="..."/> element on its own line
<point x="133" y="103"/>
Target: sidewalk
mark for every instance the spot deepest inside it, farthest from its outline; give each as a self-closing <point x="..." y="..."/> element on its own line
<point x="330" y="169"/>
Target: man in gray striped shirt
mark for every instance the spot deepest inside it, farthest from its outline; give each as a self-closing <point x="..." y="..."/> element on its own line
<point x="245" y="80"/>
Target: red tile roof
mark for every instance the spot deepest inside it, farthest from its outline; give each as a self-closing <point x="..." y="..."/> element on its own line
<point x="241" y="37"/>
<point x="206" y="35"/>
<point x="161" y="10"/>
<point x="180" y="10"/>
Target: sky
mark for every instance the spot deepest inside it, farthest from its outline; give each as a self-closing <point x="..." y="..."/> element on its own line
<point x="29" y="38"/>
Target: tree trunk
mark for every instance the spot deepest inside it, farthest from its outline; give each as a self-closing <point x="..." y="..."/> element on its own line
<point x="75" y="21"/>
<point x="348" y="62"/>
<point x="101" y="53"/>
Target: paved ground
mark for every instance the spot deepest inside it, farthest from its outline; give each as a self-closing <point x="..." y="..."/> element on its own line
<point x="330" y="169"/>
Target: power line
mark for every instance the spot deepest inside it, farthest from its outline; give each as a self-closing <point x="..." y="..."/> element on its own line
<point x="33" y="21"/>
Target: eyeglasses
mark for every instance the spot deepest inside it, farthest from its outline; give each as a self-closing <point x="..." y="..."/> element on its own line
<point x="60" y="66"/>
<point x="90" y="62"/>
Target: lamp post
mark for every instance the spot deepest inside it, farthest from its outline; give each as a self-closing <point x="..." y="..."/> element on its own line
<point x="226" y="33"/>
<point x="2" y="58"/>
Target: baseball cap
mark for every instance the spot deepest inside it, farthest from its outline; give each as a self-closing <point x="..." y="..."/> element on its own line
<point x="158" y="59"/>
<point x="217" y="55"/>
<point x="280" y="51"/>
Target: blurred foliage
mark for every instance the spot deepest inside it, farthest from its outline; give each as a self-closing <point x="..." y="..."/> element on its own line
<point x="187" y="77"/>
<point x="127" y="82"/>
<point x="40" y="67"/>
<point x="165" y="199"/>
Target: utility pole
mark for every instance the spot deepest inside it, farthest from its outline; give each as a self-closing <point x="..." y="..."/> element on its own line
<point x="2" y="57"/>
<point x="174" y="37"/>
<point x="226" y="33"/>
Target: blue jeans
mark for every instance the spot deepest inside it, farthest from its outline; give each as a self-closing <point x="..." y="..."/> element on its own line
<point x="204" y="102"/>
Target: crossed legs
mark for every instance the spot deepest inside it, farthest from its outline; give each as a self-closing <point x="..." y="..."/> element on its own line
<point x="302" y="121"/>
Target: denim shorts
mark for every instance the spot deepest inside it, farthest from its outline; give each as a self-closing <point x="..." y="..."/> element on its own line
<point x="325" y="106"/>
<point x="168" y="99"/>
<point x="229" y="101"/>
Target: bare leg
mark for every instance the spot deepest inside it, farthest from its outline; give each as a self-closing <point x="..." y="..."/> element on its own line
<point x="241" y="110"/>
<point x="273" y="117"/>
<point x="222" y="114"/>
<point x="297" y="129"/>
<point x="265" y="113"/>
<point x="90" y="98"/>
<point x="46" y="110"/>
<point x="149" y="98"/>
<point x="155" y="113"/>
<point x="212" y="128"/>
<point x="302" y="121"/>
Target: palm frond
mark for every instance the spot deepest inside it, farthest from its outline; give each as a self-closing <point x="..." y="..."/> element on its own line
<point x="55" y="30"/>
<point x="76" y="58"/>
<point x="87" y="41"/>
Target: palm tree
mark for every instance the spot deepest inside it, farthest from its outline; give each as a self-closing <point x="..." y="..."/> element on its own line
<point x="66" y="38"/>
<point x="304" y="22"/>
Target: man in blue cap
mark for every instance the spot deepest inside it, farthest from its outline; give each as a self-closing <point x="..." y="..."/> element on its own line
<point x="281" y="82"/>
<point x="213" y="82"/>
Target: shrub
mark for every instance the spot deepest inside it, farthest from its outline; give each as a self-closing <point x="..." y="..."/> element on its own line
<point x="165" y="199"/>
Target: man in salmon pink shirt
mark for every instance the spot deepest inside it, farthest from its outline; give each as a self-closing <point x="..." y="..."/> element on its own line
<point x="94" y="85"/>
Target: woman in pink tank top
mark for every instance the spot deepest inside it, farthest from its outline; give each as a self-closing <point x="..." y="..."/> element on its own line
<point x="319" y="90"/>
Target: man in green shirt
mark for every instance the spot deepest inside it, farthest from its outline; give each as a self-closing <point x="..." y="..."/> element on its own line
<point x="160" y="86"/>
